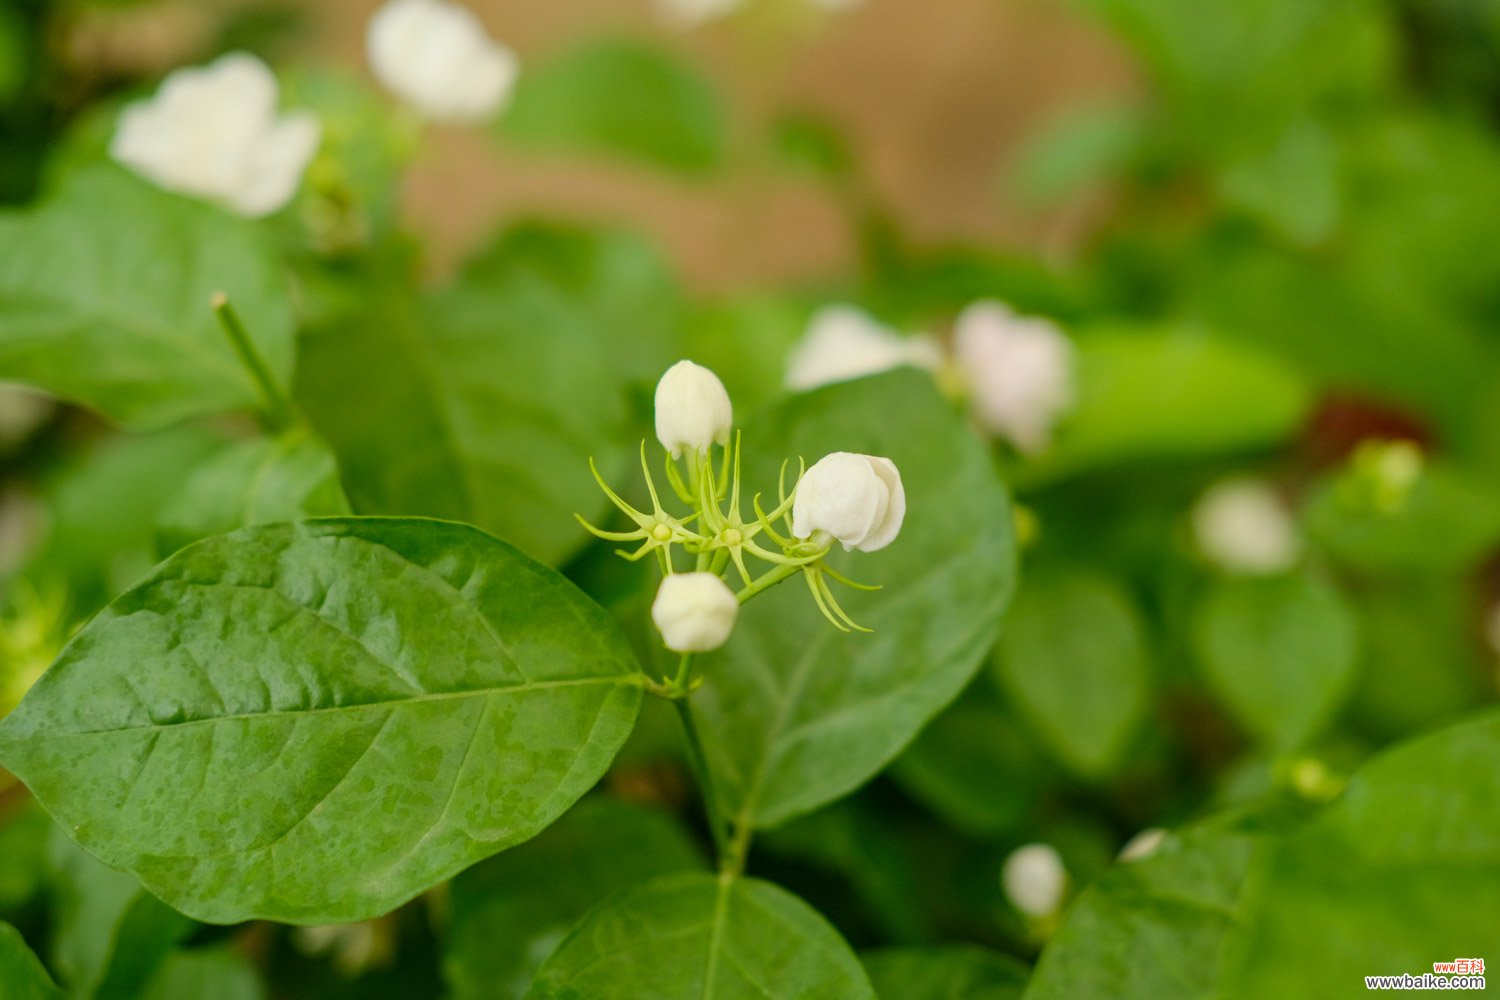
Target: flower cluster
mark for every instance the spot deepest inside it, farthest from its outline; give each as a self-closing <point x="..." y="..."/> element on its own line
<point x="213" y="132"/>
<point x="854" y="500"/>
<point x="1016" y="371"/>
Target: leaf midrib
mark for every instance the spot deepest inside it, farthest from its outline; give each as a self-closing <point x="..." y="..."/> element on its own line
<point x="623" y="680"/>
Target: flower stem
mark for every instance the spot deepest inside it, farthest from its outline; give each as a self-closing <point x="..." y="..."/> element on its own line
<point x="767" y="581"/>
<point x="278" y="411"/>
<point x="698" y="761"/>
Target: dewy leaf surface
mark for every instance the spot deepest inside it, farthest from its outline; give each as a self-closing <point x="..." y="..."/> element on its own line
<point x="313" y="723"/>
<point x="701" y="937"/>
<point x="117" y="315"/>
<point x="797" y="713"/>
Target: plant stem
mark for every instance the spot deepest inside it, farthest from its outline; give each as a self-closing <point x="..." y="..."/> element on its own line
<point x="698" y="761"/>
<point x="278" y="411"/>
<point x="766" y="582"/>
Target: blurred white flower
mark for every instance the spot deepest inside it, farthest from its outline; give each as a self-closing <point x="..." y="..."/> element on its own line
<point x="1242" y="526"/>
<point x="688" y="13"/>
<point x="1143" y="844"/>
<point x="1019" y="371"/>
<point x="692" y="409"/>
<point x="695" y="612"/>
<point x="213" y="132"/>
<point x="437" y="57"/>
<point x="844" y="343"/>
<point x="1034" y="879"/>
<point x="857" y="499"/>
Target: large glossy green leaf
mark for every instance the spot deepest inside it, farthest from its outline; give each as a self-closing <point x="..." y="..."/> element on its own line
<point x="105" y="292"/>
<point x="21" y="973"/>
<point x="1280" y="652"/>
<point x="797" y="713"/>
<point x="109" y="934"/>
<point x="1074" y="660"/>
<point x="481" y="404"/>
<point x="289" y="478"/>
<point x="1396" y="874"/>
<point x="698" y="937"/>
<point x="952" y="972"/>
<point x="510" y="912"/>
<point x="624" y="99"/>
<point x="314" y="722"/>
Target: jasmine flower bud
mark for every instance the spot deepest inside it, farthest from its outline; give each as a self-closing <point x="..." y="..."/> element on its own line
<point x="858" y="499"/>
<point x="692" y="409"/>
<point x="843" y="343"/>
<point x="1241" y="526"/>
<point x="437" y="57"/>
<point x="213" y="133"/>
<point x="1019" y="371"/>
<point x="1034" y="879"/>
<point x="695" y="612"/>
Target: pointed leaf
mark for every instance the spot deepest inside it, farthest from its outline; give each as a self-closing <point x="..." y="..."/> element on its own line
<point x="313" y="723"/>
<point x="698" y="937"/>
<point x="21" y="972"/>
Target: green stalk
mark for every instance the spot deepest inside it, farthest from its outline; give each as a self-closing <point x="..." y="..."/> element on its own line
<point x="278" y="410"/>
<point x="698" y="761"/>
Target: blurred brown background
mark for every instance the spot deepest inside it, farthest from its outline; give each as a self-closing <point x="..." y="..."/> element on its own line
<point x="935" y="96"/>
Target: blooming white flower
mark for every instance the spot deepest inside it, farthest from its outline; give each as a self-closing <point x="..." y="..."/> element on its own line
<point x="694" y="611"/>
<point x="1143" y="844"/>
<point x="1034" y="879"/>
<point x="692" y="409"/>
<point x="437" y="57"/>
<point x="857" y="499"/>
<point x="213" y="132"/>
<point x="844" y="343"/>
<point x="1242" y="526"/>
<point x="1019" y="371"/>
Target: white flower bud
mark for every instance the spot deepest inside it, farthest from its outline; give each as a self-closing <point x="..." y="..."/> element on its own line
<point x="436" y="56"/>
<point x="1034" y="879"/>
<point x="692" y="409"/>
<point x="1143" y="844"/>
<point x="1019" y="371"/>
<point x="843" y="343"/>
<point x="213" y="132"/>
<point x="694" y="611"/>
<point x="1241" y="526"/>
<point x="857" y="499"/>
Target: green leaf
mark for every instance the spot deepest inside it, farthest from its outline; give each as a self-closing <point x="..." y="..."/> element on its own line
<point x="21" y="972"/>
<point x="1447" y="523"/>
<point x="1153" y="394"/>
<point x="110" y="935"/>
<point x="101" y="505"/>
<point x="205" y="974"/>
<point x="104" y="299"/>
<point x="797" y="713"/>
<point x="510" y="912"/>
<point x="623" y="99"/>
<point x="976" y="766"/>
<point x="290" y="478"/>
<point x="482" y="404"/>
<point x="23" y="853"/>
<point x="950" y="972"/>
<point x="1074" y="660"/>
<point x="1279" y="652"/>
<point x="1394" y="875"/>
<point x="314" y="722"/>
<point x="697" y="937"/>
